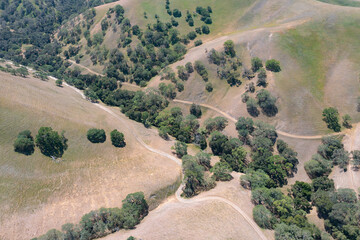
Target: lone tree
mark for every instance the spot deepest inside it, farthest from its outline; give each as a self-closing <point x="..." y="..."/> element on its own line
<point x="50" y="142"/>
<point x="96" y="135"/>
<point x="229" y="48"/>
<point x="24" y="143"/>
<point x="195" y="110"/>
<point x="117" y="139"/>
<point x="273" y="65"/>
<point x="331" y="118"/>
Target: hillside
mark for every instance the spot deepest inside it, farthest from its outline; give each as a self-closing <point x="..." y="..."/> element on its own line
<point x="89" y="176"/>
<point x="241" y="119"/>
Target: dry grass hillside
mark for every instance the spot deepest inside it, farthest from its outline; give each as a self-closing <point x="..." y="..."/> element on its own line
<point x="38" y="194"/>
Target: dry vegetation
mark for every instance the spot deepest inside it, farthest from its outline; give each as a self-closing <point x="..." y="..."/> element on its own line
<point x="38" y="194"/>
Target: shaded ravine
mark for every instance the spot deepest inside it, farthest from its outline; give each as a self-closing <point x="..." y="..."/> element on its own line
<point x="177" y="161"/>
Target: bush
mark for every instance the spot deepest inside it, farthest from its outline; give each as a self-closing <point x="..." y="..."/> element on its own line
<point x="195" y="110"/>
<point x="273" y="65"/>
<point x="209" y="87"/>
<point x="24" y="143"/>
<point x="317" y="167"/>
<point x="221" y="171"/>
<point x="96" y="135"/>
<point x="189" y="67"/>
<point x="59" y="82"/>
<point x="347" y="121"/>
<point x="205" y="29"/>
<point x="198" y="43"/>
<point x="192" y="35"/>
<point x="117" y="138"/>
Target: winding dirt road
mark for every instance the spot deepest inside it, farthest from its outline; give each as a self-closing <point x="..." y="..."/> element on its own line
<point x="234" y="120"/>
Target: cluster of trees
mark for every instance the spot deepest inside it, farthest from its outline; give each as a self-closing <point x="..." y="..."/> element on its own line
<point x="50" y="142"/>
<point x="228" y="64"/>
<point x="99" y="223"/>
<point x="98" y="136"/>
<point x="262" y="138"/>
<point x="20" y="71"/>
<point x="33" y="23"/>
<point x="331" y="118"/>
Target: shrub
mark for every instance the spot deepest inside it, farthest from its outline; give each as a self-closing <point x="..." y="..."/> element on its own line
<point x="59" y="82"/>
<point x="96" y="135"/>
<point x="273" y="65"/>
<point x="192" y="35"/>
<point x="209" y="87"/>
<point x="195" y="110"/>
<point x="117" y="138"/>
<point x="189" y="67"/>
<point x="24" y="143"/>
<point x="205" y="29"/>
<point x="347" y="121"/>
<point x="198" y="43"/>
<point x="177" y="13"/>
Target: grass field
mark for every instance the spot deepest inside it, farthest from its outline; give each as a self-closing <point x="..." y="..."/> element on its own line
<point x="38" y="194"/>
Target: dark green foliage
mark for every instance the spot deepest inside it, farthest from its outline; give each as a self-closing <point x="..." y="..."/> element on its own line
<point x="235" y="157"/>
<point x="201" y="70"/>
<point x="96" y="135"/>
<point x="317" y="167"/>
<point x="177" y="13"/>
<point x="189" y="67"/>
<point x="221" y="171"/>
<point x="117" y="138"/>
<point x="301" y="193"/>
<point x="91" y="95"/>
<point x="205" y="29"/>
<point x="273" y="65"/>
<point x="167" y="90"/>
<point x="50" y="142"/>
<point x="191" y="35"/>
<point x="209" y="87"/>
<point x="263" y="217"/>
<point x="267" y="102"/>
<point x="215" y="124"/>
<point x="329" y="145"/>
<point x="254" y="179"/>
<point x="217" y="142"/>
<point x="356" y="159"/>
<point x="134" y="209"/>
<point x="291" y="232"/>
<point x="341" y="157"/>
<point x="322" y="183"/>
<point x="229" y="48"/>
<point x="194" y="177"/>
<point x="198" y="43"/>
<point x="59" y="82"/>
<point x="331" y="118"/>
<point x="203" y="159"/>
<point x="262" y="78"/>
<point x="256" y="64"/>
<point x="245" y="127"/>
<point x="183" y="74"/>
<point x="24" y="143"/>
<point x="195" y="110"/>
<point x="252" y="107"/>
<point x="180" y="149"/>
<point x="347" y="121"/>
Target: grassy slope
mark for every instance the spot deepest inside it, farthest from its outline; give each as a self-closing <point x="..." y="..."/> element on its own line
<point x="75" y="186"/>
<point x="311" y="56"/>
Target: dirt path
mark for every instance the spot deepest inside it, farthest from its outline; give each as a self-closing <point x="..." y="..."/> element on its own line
<point x="177" y="161"/>
<point x="234" y="120"/>
<point x="217" y="198"/>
